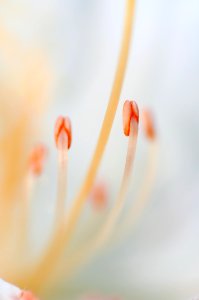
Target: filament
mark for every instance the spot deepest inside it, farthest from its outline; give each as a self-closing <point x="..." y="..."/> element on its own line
<point x="63" y="138"/>
<point x="35" y="169"/>
<point x="61" y="185"/>
<point x="138" y="206"/>
<point x="141" y="200"/>
<point x="140" y="203"/>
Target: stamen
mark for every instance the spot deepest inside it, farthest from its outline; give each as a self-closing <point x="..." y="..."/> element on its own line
<point x="63" y="234"/>
<point x="105" y="232"/>
<point x="143" y="197"/>
<point x="148" y="124"/>
<point x="63" y="138"/>
<point x="139" y="204"/>
<point x="35" y="168"/>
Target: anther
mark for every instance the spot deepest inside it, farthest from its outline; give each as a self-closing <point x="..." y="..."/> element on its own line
<point x="63" y="133"/>
<point x="148" y="124"/>
<point x="130" y="111"/>
<point x="36" y="159"/>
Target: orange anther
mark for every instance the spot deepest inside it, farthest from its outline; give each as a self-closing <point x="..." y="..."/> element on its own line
<point x="148" y="124"/>
<point x="130" y="110"/>
<point x="36" y="159"/>
<point x="27" y="296"/>
<point x="63" y="132"/>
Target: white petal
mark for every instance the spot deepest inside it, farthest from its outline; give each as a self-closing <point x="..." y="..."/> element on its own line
<point x="9" y="291"/>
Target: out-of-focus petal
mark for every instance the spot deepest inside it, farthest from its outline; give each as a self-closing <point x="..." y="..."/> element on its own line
<point x="9" y="291"/>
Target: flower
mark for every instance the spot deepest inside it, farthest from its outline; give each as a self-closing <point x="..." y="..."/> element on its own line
<point x="42" y="272"/>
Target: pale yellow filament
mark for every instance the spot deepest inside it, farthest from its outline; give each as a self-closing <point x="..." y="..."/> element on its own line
<point x="61" y="186"/>
<point x="141" y="200"/>
<point x="137" y="207"/>
<point x="59" y="241"/>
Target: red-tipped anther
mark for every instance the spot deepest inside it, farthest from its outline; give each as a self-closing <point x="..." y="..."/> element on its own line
<point x="37" y="158"/>
<point x="25" y="295"/>
<point x="148" y="124"/>
<point x="130" y="111"/>
<point x="63" y="132"/>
